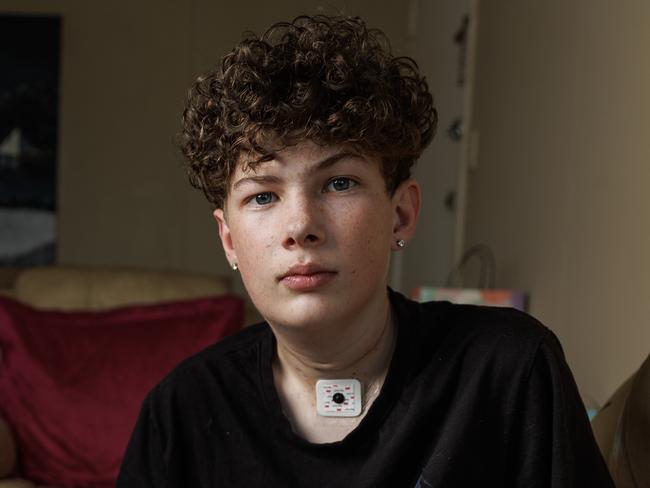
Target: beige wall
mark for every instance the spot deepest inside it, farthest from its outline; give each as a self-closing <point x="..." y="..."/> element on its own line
<point x="126" y="66"/>
<point x="561" y="189"/>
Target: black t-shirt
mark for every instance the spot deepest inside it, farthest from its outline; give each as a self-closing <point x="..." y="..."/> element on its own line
<point x="474" y="396"/>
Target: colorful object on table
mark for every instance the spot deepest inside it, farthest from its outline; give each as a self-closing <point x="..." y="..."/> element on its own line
<point x="473" y="296"/>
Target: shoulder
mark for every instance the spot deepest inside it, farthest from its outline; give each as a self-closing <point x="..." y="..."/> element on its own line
<point x="480" y="336"/>
<point x="237" y="344"/>
<point x="496" y="323"/>
<point x="500" y="335"/>
<point x="479" y="322"/>
<point x="232" y="359"/>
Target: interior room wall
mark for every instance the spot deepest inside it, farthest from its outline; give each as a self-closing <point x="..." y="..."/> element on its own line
<point x="559" y="191"/>
<point x="126" y="67"/>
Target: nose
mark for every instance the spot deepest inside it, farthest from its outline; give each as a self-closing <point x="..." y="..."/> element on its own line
<point x="304" y="224"/>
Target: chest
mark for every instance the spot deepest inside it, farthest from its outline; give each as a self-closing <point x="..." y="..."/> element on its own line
<point x="299" y="407"/>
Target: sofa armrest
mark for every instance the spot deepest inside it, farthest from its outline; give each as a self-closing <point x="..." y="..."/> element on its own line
<point x="7" y="450"/>
<point x="102" y="288"/>
<point x="16" y="483"/>
<point x="605" y="423"/>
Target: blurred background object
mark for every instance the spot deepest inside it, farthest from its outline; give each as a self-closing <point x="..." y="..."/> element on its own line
<point x="29" y="103"/>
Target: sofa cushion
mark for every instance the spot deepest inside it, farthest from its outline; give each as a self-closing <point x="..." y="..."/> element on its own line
<point x="87" y="288"/>
<point x="72" y="383"/>
<point x="628" y="459"/>
<point x="606" y="420"/>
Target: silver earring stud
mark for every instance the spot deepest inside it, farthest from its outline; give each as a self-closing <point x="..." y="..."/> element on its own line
<point x="234" y="266"/>
<point x="401" y="243"/>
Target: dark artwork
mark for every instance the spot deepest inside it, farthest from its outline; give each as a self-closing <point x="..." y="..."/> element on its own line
<point x="29" y="86"/>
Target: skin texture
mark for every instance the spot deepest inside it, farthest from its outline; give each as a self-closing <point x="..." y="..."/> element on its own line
<point x="327" y="207"/>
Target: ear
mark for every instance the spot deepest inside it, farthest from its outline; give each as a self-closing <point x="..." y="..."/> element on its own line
<point x="224" y="235"/>
<point x="406" y="209"/>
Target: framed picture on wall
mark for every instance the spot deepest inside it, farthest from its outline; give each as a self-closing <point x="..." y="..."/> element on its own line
<point x="29" y="101"/>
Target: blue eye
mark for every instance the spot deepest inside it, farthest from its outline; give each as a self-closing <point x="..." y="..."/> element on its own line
<point x="264" y="198"/>
<point x="340" y="184"/>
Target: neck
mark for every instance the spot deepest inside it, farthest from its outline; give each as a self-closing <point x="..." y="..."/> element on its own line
<point x="360" y="349"/>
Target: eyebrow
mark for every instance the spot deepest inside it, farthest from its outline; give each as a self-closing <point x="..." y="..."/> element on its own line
<point x="321" y="165"/>
<point x="256" y="179"/>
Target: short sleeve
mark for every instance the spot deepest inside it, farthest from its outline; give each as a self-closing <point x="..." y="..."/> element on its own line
<point x="553" y="445"/>
<point x="143" y="465"/>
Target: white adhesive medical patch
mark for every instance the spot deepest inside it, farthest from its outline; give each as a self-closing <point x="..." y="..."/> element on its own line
<point x="338" y="398"/>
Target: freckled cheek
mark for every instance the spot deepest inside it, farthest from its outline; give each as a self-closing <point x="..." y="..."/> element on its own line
<point x="254" y="245"/>
<point x="366" y="236"/>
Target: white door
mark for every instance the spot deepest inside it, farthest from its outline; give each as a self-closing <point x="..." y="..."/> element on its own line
<point x="441" y="41"/>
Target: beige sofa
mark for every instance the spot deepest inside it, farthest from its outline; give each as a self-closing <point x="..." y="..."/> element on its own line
<point x="86" y="288"/>
<point x="622" y="430"/>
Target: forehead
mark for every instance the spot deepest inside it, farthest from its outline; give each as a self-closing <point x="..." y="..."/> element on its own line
<point x="301" y="157"/>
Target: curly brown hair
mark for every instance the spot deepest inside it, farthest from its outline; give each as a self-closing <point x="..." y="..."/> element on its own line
<point x="329" y="80"/>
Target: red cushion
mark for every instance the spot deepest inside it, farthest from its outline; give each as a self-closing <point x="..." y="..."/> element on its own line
<point x="71" y="383"/>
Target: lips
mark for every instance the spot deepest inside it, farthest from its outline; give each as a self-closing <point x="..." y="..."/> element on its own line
<point x="306" y="277"/>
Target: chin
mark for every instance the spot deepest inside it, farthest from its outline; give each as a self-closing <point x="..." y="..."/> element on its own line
<point x="322" y="309"/>
<point x="338" y="301"/>
<point x="306" y="309"/>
